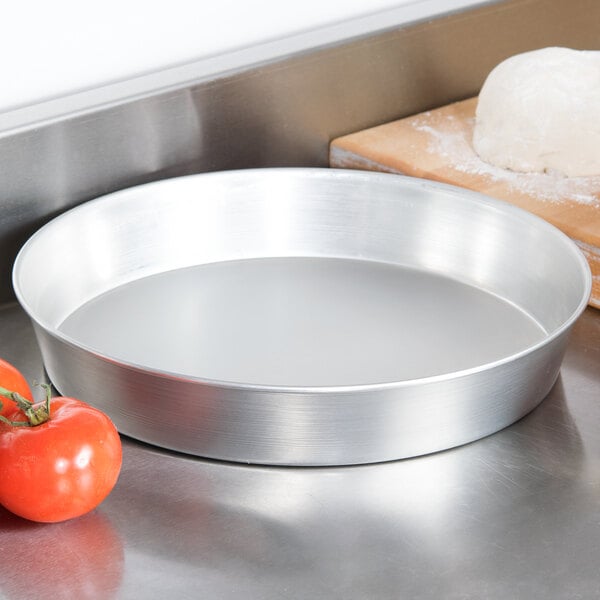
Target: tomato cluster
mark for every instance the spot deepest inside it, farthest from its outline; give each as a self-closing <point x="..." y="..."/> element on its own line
<point x="59" y="459"/>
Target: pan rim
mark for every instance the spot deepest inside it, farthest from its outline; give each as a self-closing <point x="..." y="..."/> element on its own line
<point x="317" y="172"/>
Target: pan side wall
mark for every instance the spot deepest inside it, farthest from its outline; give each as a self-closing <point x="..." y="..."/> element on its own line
<point x="352" y="426"/>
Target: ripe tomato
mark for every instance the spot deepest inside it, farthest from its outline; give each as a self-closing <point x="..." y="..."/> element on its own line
<point x="61" y="468"/>
<point x="12" y="379"/>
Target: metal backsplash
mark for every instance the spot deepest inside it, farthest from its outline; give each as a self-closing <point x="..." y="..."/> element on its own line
<point x="275" y="113"/>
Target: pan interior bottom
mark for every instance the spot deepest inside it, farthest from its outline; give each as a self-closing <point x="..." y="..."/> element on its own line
<point x="302" y="322"/>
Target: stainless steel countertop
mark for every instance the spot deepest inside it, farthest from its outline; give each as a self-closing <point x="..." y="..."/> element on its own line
<point x="515" y="515"/>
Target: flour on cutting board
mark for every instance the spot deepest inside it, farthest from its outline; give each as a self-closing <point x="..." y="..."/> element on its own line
<point x="452" y="141"/>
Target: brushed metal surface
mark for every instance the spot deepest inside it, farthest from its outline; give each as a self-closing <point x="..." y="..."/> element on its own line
<point x="280" y="214"/>
<point x="302" y="322"/>
<point x="515" y="515"/>
<point x="274" y="106"/>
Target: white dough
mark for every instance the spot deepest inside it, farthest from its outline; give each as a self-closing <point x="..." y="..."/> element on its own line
<point x="540" y="111"/>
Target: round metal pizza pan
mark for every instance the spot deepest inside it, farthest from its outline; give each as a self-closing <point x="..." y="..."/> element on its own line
<point x="302" y="316"/>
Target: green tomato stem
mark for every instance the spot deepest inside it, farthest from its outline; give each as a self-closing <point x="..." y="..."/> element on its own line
<point x="3" y="419"/>
<point x="36" y="414"/>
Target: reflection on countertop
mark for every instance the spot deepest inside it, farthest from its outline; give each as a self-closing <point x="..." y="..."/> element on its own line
<point x="515" y="515"/>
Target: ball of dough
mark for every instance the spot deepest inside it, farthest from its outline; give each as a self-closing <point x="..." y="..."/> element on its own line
<point x="540" y="111"/>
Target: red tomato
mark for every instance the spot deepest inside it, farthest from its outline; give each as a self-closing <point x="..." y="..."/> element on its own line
<point x="12" y="379"/>
<point x="62" y="468"/>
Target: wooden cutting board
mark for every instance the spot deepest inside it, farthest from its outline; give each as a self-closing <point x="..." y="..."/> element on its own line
<point x="437" y="145"/>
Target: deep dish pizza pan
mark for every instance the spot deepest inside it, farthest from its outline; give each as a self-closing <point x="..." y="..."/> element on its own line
<point x="302" y="316"/>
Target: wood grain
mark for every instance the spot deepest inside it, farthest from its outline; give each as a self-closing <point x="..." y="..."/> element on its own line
<point x="437" y="145"/>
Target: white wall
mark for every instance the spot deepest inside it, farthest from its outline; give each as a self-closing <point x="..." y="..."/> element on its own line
<point x="52" y="48"/>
